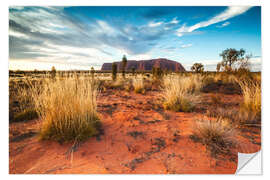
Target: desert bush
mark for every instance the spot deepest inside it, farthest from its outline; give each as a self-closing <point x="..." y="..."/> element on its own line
<point x="117" y="84"/>
<point x="21" y="96"/>
<point x="197" y="67"/>
<point x="67" y="109"/>
<point x="138" y="85"/>
<point x="251" y="91"/>
<point x="178" y="95"/>
<point x="124" y="64"/>
<point x="218" y="135"/>
<point x="53" y="72"/>
<point x="114" y="71"/>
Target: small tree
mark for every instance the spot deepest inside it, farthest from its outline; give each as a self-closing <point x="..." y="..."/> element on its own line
<point x="244" y="64"/>
<point x="197" y="67"/>
<point x="92" y="71"/>
<point x="230" y="57"/>
<point x="114" y="71"/>
<point x="53" y="72"/>
<point x="124" y="64"/>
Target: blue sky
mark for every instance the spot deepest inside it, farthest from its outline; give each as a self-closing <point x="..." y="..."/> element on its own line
<point x="81" y="37"/>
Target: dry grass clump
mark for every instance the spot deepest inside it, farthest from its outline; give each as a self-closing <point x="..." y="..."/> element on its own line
<point x="224" y="78"/>
<point x="21" y="105"/>
<point x="190" y="84"/>
<point x="251" y="91"/>
<point x="236" y="117"/>
<point x="67" y="109"/>
<point x="117" y="84"/>
<point x="178" y="94"/>
<point x="218" y="135"/>
<point x="138" y="85"/>
<point x="257" y="77"/>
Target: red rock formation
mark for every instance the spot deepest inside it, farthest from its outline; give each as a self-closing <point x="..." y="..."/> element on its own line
<point x="147" y="65"/>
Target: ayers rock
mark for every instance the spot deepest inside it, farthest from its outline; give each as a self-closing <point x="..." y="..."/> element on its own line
<point x="147" y="65"/>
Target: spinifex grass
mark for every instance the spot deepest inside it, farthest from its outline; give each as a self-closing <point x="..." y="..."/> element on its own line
<point x="67" y="108"/>
<point x="218" y="135"/>
<point x="251" y="91"/>
<point x="138" y="85"/>
<point x="179" y="93"/>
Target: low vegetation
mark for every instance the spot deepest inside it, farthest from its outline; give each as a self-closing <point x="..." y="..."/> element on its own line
<point x="179" y="93"/>
<point x="67" y="109"/>
<point x="138" y="85"/>
<point x="236" y="117"/>
<point x="251" y="91"/>
<point x="218" y="135"/>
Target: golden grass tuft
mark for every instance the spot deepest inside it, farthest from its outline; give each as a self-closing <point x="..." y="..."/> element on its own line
<point x="138" y="85"/>
<point x="235" y="117"/>
<point x="218" y="135"/>
<point x="251" y="91"/>
<point x="179" y="93"/>
<point x="67" y="109"/>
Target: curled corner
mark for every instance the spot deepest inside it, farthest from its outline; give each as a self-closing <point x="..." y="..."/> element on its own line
<point x="249" y="163"/>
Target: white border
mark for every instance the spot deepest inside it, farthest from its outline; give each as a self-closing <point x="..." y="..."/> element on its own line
<point x="4" y="75"/>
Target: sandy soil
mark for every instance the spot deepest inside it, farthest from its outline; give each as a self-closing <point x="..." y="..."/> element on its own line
<point x="139" y="138"/>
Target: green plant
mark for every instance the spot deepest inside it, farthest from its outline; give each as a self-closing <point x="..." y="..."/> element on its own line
<point x="234" y="60"/>
<point x="197" y="67"/>
<point x="124" y="64"/>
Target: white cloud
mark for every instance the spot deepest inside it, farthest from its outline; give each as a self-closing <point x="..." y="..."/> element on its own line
<point x="174" y="21"/>
<point x="155" y="24"/>
<point x="224" y="24"/>
<point x="230" y="12"/>
<point x="105" y="27"/>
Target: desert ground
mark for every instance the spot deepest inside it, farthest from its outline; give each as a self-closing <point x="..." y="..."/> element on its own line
<point x="140" y="134"/>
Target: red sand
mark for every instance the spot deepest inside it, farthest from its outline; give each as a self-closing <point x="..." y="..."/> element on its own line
<point x="162" y="144"/>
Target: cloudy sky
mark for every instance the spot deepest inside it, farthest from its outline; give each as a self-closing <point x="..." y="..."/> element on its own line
<point x="81" y="37"/>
